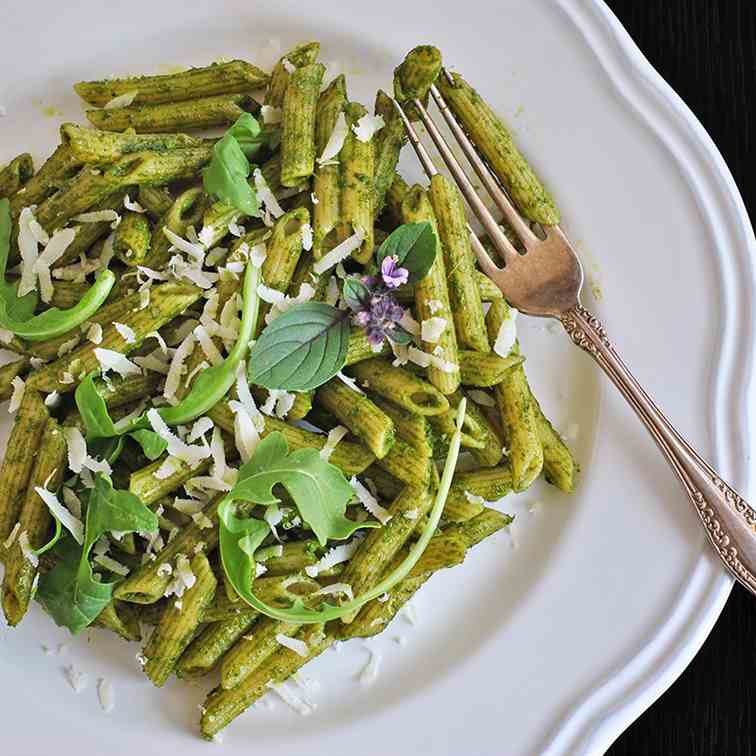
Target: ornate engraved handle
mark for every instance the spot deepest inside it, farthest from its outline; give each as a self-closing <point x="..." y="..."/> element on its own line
<point x="729" y="521"/>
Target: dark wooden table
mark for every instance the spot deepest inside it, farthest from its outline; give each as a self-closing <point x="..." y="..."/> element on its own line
<point x="706" y="49"/>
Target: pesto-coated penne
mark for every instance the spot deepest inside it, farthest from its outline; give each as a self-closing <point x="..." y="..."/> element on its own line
<point x="360" y="415"/>
<point x="478" y="434"/>
<point x="517" y="412"/>
<point x="487" y="289"/>
<point x="380" y="545"/>
<point x="283" y="249"/>
<point x="432" y="298"/>
<point x="35" y="521"/>
<point x="387" y="484"/>
<point x="200" y="113"/>
<point x="103" y="147"/>
<point x="8" y="372"/>
<point x="118" y="391"/>
<point x="489" y="483"/>
<point x="20" y="453"/>
<point x="360" y="348"/>
<point x="222" y="706"/>
<point x="149" y="488"/>
<point x="410" y="427"/>
<point x="400" y="386"/>
<point x="395" y="194"/>
<point x="295" y="556"/>
<point x="326" y="212"/>
<point x="388" y="144"/>
<point x="253" y="649"/>
<point x="415" y="75"/>
<point x="187" y="210"/>
<point x="120" y="618"/>
<point x="357" y="174"/>
<point x="131" y="240"/>
<point x="298" y="133"/>
<point x="217" y="78"/>
<point x="156" y="200"/>
<point x="464" y="295"/>
<point x="495" y="143"/>
<point x="88" y="188"/>
<point x="179" y="623"/>
<point x="486" y="369"/>
<point x="491" y="450"/>
<point x="302" y="55"/>
<point x="14" y="175"/>
<point x="61" y="166"/>
<point x="402" y="462"/>
<point x="166" y="302"/>
<point x="207" y="649"/>
<point x="350" y="457"/>
<point x="559" y="466"/>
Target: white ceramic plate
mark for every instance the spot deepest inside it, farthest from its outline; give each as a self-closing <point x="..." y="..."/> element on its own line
<point x="553" y="646"/>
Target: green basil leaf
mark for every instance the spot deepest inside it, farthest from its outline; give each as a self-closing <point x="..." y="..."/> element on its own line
<point x="17" y="314"/>
<point x="355" y="293"/>
<point x="238" y="539"/>
<point x="69" y="592"/>
<point x="152" y="444"/>
<point x="301" y="349"/>
<point x="414" y="245"/>
<point x="226" y="176"/>
<point x="250" y="136"/>
<point x="93" y="410"/>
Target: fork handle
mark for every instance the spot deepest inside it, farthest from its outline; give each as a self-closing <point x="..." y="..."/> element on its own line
<point x="729" y="521"/>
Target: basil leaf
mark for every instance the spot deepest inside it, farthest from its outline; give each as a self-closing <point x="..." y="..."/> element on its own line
<point x="226" y="176"/>
<point x="93" y="410"/>
<point x="69" y="592"/>
<point x="152" y="444"/>
<point x="17" y="314"/>
<point x="301" y="349"/>
<point x="251" y="137"/>
<point x="414" y="245"/>
<point x="238" y="539"/>
<point x="355" y="293"/>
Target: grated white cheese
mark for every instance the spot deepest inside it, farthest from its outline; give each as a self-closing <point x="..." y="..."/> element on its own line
<point x="202" y="521"/>
<point x="68" y="346"/>
<point x="207" y="345"/>
<point x="279" y="402"/>
<point x="336" y="555"/>
<point x="265" y="195"/>
<point x="117" y="362"/>
<point x="54" y="250"/>
<point x="200" y="428"/>
<point x="371" y="670"/>
<point x="237" y="230"/>
<point x="314" y="198"/>
<point x="306" y="237"/>
<point x="257" y="255"/>
<point x="384" y="597"/>
<point x="106" y="695"/>
<point x="293" y="644"/>
<point x="332" y="291"/>
<point x="125" y="332"/>
<point x="369" y="501"/>
<point x="177" y="368"/>
<point x="122" y="101"/>
<point x="246" y="398"/>
<point x="335" y="141"/>
<point x="72" y="524"/>
<point x="184" y="578"/>
<point x="26" y="550"/>
<point x="164" y="570"/>
<point x="52" y="400"/>
<point x="176" y="447"/>
<point x="507" y="335"/>
<point x="339" y="252"/>
<point x="434" y="305"/>
<point x="111" y="564"/>
<point x="409" y="323"/>
<point x="334" y="436"/>
<point x="195" y="250"/>
<point x="474" y="498"/>
<point x="9" y="541"/>
<point x="19" y="386"/>
<point x="432" y="328"/>
<point x="270" y="114"/>
<point x="30" y="235"/>
<point x="411" y="514"/>
<point x="76" y="679"/>
<point x="132" y="205"/>
<point x="288" y="66"/>
<point x="246" y="434"/>
<point x="336" y="589"/>
<point x="270" y="295"/>
<point x="351" y="382"/>
<point x="94" y="333"/>
<point x="367" y="126"/>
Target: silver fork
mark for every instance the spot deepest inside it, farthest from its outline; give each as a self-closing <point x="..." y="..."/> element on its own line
<point x="546" y="281"/>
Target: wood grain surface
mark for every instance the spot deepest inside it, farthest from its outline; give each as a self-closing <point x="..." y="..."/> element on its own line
<point x="706" y="49"/>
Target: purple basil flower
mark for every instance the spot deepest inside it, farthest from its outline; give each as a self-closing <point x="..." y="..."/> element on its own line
<point x="392" y="274"/>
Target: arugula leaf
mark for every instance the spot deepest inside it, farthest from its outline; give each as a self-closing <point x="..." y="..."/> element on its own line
<point x="152" y="444"/>
<point x="301" y="349"/>
<point x="17" y="313"/>
<point x="210" y="386"/>
<point x="414" y="245"/>
<point x="70" y="592"/>
<point x="239" y="538"/>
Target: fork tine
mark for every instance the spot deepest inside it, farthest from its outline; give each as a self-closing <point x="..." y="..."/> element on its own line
<point x="418" y="146"/>
<point x="487" y="265"/>
<point x="502" y="245"/>
<point x="522" y="229"/>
